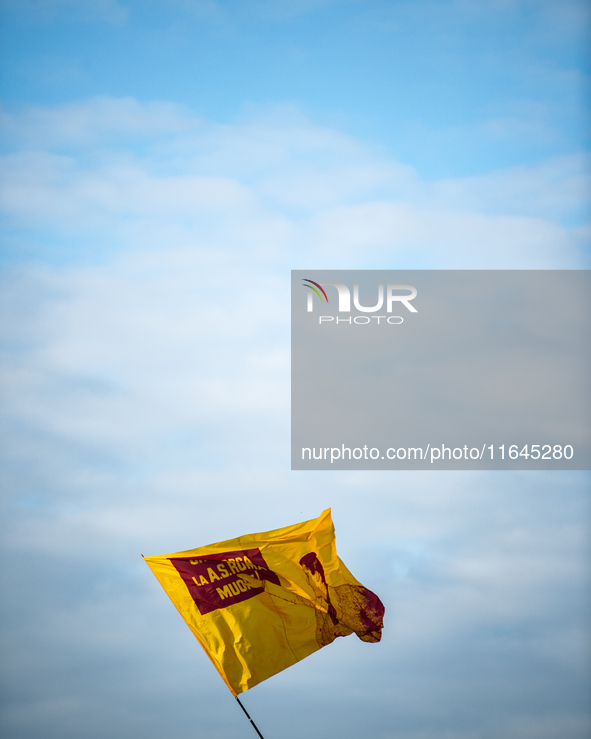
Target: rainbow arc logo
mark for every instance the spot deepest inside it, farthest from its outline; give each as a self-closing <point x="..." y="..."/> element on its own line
<point x="315" y="290"/>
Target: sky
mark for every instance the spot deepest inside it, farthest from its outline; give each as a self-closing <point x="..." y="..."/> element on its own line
<point x="165" y="166"/>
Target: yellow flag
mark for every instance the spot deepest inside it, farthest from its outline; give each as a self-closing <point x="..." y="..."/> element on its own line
<point x="260" y="603"/>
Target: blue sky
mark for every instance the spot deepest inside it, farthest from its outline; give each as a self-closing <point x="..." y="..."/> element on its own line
<point x="165" y="165"/>
<point x="455" y="88"/>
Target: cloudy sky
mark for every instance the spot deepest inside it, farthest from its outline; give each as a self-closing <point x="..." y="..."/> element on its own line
<point x="166" y="163"/>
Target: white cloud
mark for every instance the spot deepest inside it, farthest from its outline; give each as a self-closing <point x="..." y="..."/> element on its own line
<point x="300" y="190"/>
<point x="86" y="122"/>
<point x="553" y="189"/>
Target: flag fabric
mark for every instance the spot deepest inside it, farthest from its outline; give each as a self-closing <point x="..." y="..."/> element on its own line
<point x="260" y="603"/>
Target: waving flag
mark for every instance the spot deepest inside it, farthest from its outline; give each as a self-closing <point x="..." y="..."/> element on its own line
<point x="260" y="603"/>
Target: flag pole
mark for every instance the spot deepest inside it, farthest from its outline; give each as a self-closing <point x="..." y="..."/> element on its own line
<point x="254" y="726"/>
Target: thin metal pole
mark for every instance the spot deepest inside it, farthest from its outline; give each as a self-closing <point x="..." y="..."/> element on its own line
<point x="254" y="726"/>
